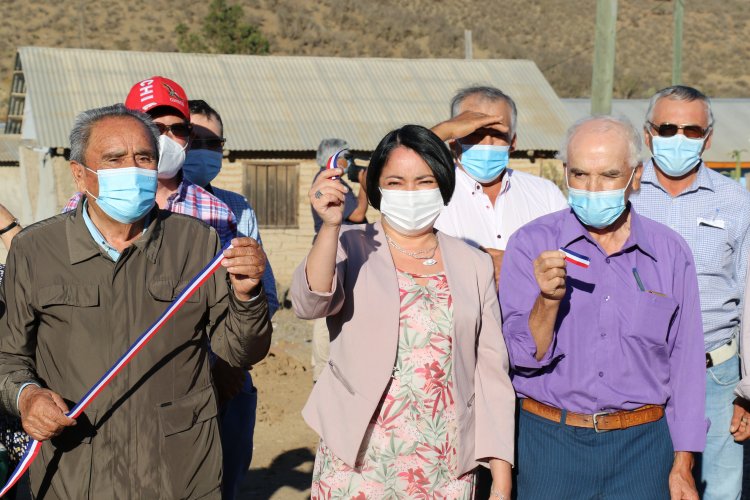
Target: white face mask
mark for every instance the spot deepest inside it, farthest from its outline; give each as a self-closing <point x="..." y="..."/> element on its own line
<point x="411" y="212"/>
<point x="171" y="157"/>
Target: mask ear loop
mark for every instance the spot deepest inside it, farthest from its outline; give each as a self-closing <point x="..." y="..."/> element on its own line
<point x="567" y="183"/>
<point x="97" y="176"/>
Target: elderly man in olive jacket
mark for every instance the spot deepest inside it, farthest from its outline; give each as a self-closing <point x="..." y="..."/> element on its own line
<point x="82" y="286"/>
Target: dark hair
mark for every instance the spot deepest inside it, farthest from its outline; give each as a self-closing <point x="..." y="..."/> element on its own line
<point x="201" y="107"/>
<point x="423" y="142"/>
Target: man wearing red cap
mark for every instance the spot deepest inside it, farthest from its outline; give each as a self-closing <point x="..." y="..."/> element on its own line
<point x="166" y="103"/>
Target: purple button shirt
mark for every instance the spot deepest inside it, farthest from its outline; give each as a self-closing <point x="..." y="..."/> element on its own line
<point x="615" y="347"/>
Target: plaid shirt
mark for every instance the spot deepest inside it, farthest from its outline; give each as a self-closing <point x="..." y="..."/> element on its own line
<point x="191" y="199"/>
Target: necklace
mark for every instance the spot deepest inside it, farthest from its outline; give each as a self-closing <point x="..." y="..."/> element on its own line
<point x="426" y="256"/>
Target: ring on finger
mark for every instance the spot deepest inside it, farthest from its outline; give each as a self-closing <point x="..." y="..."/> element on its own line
<point x="318" y="194"/>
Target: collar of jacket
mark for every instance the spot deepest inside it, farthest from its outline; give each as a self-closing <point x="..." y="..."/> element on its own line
<point x="81" y="245"/>
<point x="458" y="278"/>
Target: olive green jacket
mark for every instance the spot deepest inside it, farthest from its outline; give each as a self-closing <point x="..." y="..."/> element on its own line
<point x="72" y="312"/>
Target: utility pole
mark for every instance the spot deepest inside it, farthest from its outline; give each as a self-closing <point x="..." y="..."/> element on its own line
<point x="679" y="7"/>
<point x="468" y="46"/>
<point x="81" y="16"/>
<point x="603" y="76"/>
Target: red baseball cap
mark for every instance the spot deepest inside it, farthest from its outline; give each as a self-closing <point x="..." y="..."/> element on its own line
<point x="158" y="91"/>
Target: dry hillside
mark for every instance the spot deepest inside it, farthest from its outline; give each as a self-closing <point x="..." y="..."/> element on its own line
<point x="556" y="34"/>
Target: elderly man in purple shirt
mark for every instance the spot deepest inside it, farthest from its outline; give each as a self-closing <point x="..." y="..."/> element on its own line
<point x="602" y="320"/>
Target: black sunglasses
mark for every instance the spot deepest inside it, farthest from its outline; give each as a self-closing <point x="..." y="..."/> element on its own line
<point x="670" y="130"/>
<point x="216" y="143"/>
<point x="177" y="129"/>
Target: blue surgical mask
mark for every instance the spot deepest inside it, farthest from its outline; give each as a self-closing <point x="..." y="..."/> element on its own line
<point x="676" y="155"/>
<point x="125" y="194"/>
<point x="484" y="162"/>
<point x="202" y="166"/>
<point x="598" y="209"/>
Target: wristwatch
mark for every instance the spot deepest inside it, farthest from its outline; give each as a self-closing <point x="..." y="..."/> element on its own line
<point x="10" y="226"/>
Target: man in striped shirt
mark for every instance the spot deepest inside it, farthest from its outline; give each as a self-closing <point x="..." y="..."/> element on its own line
<point x="712" y="213"/>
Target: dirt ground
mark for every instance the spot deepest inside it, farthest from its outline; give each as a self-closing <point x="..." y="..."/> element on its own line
<point x="284" y="448"/>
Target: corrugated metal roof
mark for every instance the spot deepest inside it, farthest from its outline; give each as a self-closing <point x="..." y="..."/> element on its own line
<point x="731" y="118"/>
<point x="274" y="103"/>
<point x="9" y="145"/>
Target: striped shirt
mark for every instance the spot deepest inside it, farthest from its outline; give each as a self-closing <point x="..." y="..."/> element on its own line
<point x="713" y="216"/>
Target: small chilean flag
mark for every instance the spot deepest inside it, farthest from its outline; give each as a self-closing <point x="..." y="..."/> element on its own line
<point x="576" y="258"/>
<point x="333" y="161"/>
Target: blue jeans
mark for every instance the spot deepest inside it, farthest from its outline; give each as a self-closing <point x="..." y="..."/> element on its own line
<point x="237" y="422"/>
<point x="719" y="470"/>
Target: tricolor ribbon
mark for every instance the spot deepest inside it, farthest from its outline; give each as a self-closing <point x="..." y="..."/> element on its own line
<point x="33" y="447"/>
<point x="576" y="258"/>
<point x="333" y="161"/>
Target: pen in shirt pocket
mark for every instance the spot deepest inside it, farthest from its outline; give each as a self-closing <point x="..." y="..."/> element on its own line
<point x="638" y="280"/>
<point x="642" y="288"/>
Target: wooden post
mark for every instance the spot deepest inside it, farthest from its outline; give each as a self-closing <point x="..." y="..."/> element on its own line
<point x="679" y="6"/>
<point x="603" y="76"/>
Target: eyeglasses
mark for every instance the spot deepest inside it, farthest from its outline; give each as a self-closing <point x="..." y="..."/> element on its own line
<point x="177" y="129"/>
<point x="216" y="143"/>
<point x="690" y="131"/>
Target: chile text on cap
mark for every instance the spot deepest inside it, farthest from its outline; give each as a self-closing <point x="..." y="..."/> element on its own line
<point x="158" y="91"/>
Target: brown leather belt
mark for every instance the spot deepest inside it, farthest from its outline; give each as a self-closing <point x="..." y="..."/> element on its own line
<point x="598" y="421"/>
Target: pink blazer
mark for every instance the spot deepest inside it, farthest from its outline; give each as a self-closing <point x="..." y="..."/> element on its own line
<point x="363" y="320"/>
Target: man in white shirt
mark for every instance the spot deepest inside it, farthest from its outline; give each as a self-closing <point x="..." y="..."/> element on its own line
<point x="491" y="201"/>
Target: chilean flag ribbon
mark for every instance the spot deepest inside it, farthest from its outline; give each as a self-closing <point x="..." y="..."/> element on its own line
<point x="333" y="161"/>
<point x="576" y="258"/>
<point x="33" y="448"/>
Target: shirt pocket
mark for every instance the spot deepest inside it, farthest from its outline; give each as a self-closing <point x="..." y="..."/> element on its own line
<point x="167" y="290"/>
<point x="68" y="295"/>
<point x="190" y="444"/>
<point x="712" y="249"/>
<point x="653" y="319"/>
<point x="71" y="324"/>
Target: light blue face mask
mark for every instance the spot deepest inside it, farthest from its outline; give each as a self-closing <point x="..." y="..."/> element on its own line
<point x="676" y="155"/>
<point x="125" y="194"/>
<point x="202" y="166"/>
<point x="484" y="162"/>
<point x="598" y="209"/>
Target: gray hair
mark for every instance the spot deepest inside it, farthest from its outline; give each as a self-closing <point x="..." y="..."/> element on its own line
<point x="328" y="148"/>
<point x="489" y="93"/>
<point x="680" y="93"/>
<point x="605" y="123"/>
<point x="84" y="124"/>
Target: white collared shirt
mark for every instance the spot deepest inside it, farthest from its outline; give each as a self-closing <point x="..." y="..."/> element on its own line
<point x="471" y="216"/>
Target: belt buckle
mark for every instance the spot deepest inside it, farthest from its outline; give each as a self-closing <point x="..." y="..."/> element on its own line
<point x="596" y="424"/>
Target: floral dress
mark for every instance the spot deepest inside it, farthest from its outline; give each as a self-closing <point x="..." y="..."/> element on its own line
<point x="409" y="449"/>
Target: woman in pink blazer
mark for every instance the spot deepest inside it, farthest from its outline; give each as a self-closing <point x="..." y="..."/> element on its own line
<point x="416" y="392"/>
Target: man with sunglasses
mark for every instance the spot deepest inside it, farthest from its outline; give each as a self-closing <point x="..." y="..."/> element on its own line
<point x="712" y="213"/>
<point x="491" y="200"/>
<point x="166" y="103"/>
<point x="238" y="398"/>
